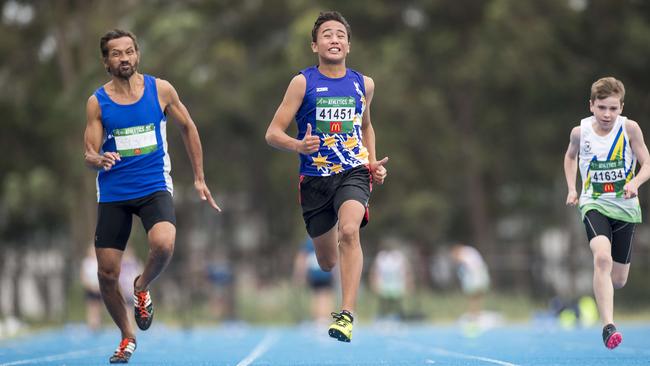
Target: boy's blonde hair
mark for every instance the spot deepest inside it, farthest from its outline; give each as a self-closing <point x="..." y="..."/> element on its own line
<point x="607" y="87"/>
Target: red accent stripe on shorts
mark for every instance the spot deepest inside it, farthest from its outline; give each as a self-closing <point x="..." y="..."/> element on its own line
<point x="302" y="177"/>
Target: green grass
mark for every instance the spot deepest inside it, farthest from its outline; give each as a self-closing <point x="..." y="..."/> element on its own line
<point x="282" y="304"/>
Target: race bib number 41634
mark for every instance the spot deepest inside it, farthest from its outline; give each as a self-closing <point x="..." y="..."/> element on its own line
<point x="335" y="114"/>
<point x="137" y="140"/>
<point x="607" y="176"/>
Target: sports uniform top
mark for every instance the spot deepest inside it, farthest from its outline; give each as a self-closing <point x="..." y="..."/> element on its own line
<point x="607" y="163"/>
<point x="334" y="107"/>
<point x="137" y="132"/>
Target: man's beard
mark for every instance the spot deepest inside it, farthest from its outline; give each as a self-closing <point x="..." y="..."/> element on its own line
<point x="124" y="74"/>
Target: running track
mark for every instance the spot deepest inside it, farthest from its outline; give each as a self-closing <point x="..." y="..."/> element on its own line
<point x="396" y="344"/>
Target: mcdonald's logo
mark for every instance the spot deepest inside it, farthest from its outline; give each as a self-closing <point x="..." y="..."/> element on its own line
<point x="608" y="187"/>
<point x="335" y="127"/>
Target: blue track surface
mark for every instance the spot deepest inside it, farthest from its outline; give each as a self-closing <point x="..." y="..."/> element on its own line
<point x="306" y="345"/>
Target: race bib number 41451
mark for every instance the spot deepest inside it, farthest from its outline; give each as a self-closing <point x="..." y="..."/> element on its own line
<point x="607" y="176"/>
<point x="335" y="114"/>
<point x="137" y="140"/>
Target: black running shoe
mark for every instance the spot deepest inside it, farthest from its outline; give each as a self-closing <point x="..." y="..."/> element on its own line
<point x="143" y="307"/>
<point x="611" y="337"/>
<point x="123" y="351"/>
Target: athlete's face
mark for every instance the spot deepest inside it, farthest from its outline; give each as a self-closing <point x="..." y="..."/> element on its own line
<point x="122" y="60"/>
<point x="606" y="111"/>
<point x="332" y="45"/>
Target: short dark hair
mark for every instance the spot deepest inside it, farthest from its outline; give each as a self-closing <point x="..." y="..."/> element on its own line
<point x="114" y="34"/>
<point x="325" y="16"/>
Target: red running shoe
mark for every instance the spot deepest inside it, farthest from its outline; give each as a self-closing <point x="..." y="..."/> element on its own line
<point x="611" y="336"/>
<point x="143" y="307"/>
<point x="123" y="351"/>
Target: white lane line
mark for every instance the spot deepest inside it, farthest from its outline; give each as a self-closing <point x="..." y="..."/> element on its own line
<point x="58" y="357"/>
<point x="444" y="352"/>
<point x="259" y="350"/>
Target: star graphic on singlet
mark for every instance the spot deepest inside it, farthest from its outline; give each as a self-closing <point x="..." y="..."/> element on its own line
<point x="329" y="141"/>
<point x="363" y="154"/>
<point x="320" y="161"/>
<point x="336" y="168"/>
<point x="351" y="142"/>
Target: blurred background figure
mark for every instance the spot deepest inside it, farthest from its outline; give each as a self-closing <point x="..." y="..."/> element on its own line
<point x="90" y="283"/>
<point x="219" y="274"/>
<point x="391" y="279"/>
<point x="306" y="271"/>
<point x="475" y="282"/>
<point x="580" y="312"/>
<point x="473" y="276"/>
<point x="131" y="267"/>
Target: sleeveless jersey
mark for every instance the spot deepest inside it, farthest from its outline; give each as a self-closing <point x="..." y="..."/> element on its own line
<point x="334" y="108"/>
<point x="607" y="163"/>
<point x="138" y="133"/>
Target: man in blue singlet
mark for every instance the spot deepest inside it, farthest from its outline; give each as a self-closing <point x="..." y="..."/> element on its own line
<point x="125" y="140"/>
<point x="336" y="145"/>
<point x="605" y="148"/>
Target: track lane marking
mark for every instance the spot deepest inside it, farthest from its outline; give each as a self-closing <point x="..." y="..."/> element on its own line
<point x="259" y="350"/>
<point x="444" y="352"/>
<point x="56" y="357"/>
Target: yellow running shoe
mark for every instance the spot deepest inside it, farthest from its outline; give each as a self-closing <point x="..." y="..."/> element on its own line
<point x="341" y="328"/>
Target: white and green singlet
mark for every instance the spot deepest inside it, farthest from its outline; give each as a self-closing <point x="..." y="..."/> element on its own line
<point x="606" y="164"/>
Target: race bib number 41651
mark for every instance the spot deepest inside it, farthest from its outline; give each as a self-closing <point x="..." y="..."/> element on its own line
<point x="137" y="140"/>
<point x="335" y="114"/>
<point x="607" y="176"/>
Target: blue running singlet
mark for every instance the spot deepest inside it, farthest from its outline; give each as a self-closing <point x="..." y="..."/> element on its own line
<point x="334" y="108"/>
<point x="138" y="133"/>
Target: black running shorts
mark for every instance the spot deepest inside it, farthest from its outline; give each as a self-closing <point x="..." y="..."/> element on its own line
<point x="114" y="219"/>
<point x="620" y="234"/>
<point x="321" y="197"/>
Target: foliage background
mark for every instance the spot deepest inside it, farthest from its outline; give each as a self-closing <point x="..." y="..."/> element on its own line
<point x="474" y="103"/>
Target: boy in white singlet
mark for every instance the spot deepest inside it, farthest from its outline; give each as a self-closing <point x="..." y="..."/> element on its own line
<point x="606" y="147"/>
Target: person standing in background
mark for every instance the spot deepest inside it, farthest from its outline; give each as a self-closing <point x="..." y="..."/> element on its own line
<point x="391" y="279"/>
<point x="473" y="276"/>
<point x="306" y="271"/>
<point x="92" y="295"/>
